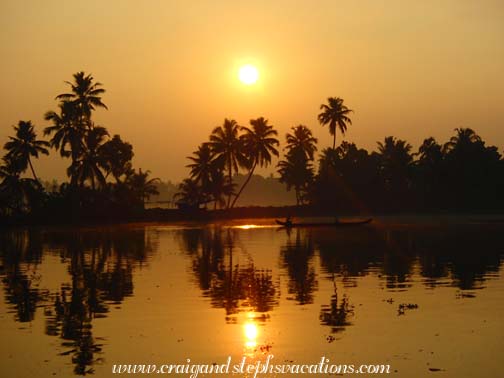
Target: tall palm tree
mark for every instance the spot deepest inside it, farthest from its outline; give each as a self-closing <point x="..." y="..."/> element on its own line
<point x="335" y="114"/>
<point x="227" y="148"/>
<point x="302" y="139"/>
<point x="85" y="96"/>
<point x="259" y="144"/>
<point x="25" y="144"/>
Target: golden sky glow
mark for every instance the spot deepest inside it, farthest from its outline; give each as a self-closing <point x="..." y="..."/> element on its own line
<point x="410" y="69"/>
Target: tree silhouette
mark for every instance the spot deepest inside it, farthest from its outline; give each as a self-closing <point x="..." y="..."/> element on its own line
<point x="227" y="148"/>
<point x="259" y="144"/>
<point x="142" y="186"/>
<point x="85" y="96"/>
<point x="335" y="114"/>
<point x="24" y="145"/>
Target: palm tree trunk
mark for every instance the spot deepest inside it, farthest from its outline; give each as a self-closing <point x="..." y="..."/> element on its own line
<point x="230" y="177"/>
<point x="33" y="171"/>
<point x="334" y="141"/>
<point x="245" y="183"/>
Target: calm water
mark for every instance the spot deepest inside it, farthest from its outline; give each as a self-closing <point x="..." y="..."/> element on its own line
<point x="77" y="301"/>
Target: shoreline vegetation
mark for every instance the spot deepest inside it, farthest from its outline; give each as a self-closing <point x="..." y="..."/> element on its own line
<point x="461" y="176"/>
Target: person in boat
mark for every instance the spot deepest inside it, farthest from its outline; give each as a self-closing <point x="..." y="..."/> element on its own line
<point x="288" y="221"/>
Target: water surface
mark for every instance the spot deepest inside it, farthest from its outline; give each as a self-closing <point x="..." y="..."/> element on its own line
<point x="425" y="298"/>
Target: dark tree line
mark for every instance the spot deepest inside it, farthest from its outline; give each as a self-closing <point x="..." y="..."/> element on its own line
<point x="102" y="180"/>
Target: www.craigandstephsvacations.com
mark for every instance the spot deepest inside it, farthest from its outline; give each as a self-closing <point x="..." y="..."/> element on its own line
<point x="253" y="369"/>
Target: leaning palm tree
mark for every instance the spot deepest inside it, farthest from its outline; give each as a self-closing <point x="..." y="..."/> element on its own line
<point x="85" y="96"/>
<point x="25" y="144"/>
<point x="259" y="144"/>
<point x="335" y="114"/>
<point x="227" y="148"/>
<point x="302" y="139"/>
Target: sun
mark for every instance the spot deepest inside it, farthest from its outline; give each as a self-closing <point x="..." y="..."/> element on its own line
<point x="248" y="74"/>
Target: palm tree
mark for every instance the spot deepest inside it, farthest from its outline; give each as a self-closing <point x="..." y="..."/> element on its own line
<point x="335" y="114"/>
<point x="66" y="131"/>
<point x="464" y="139"/>
<point x="259" y="143"/>
<point x="143" y="187"/>
<point x="189" y="194"/>
<point x="85" y="96"/>
<point x="116" y="158"/>
<point x="296" y="171"/>
<point x="227" y="148"/>
<point x="202" y="165"/>
<point x="25" y="145"/>
<point x="87" y="167"/>
<point x="302" y="139"/>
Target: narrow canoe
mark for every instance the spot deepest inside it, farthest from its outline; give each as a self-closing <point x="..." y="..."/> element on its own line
<point x="334" y="224"/>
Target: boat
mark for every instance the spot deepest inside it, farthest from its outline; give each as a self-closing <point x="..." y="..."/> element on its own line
<point x="325" y="224"/>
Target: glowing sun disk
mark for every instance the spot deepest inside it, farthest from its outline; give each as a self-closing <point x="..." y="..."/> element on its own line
<point x="248" y="74"/>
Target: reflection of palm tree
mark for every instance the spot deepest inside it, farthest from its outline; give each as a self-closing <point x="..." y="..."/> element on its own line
<point x="25" y="145"/>
<point x="335" y="114"/>
<point x="259" y="144"/>
<point x="296" y="259"/>
<point x="227" y="148"/>
<point x="337" y="314"/>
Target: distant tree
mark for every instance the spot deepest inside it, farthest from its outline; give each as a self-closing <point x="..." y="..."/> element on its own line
<point x="259" y="144"/>
<point x="227" y="148"/>
<point x="189" y="195"/>
<point x="116" y="158"/>
<point x="142" y="186"/>
<point x="24" y="145"/>
<point x="335" y="114"/>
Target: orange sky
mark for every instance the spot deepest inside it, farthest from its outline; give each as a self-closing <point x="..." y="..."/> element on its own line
<point x="411" y="69"/>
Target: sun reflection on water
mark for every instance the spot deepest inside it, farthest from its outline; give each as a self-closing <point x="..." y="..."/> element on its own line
<point x="250" y="331"/>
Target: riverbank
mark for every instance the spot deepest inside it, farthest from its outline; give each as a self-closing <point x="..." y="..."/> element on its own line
<point x="159" y="215"/>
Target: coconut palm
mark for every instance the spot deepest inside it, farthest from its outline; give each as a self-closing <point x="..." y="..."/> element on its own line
<point x="24" y="145"/>
<point x="465" y="137"/>
<point x="259" y="144"/>
<point x="227" y="148"/>
<point x="85" y="96"/>
<point x="335" y="114"/>
<point x="67" y="135"/>
<point x="189" y="194"/>
<point x="302" y="139"/>
<point x="203" y="164"/>
<point x="87" y="167"/>
<point x="142" y="186"/>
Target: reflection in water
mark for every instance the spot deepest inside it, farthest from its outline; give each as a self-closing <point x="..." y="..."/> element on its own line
<point x="230" y="285"/>
<point x="296" y="259"/>
<point x="101" y="267"/>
